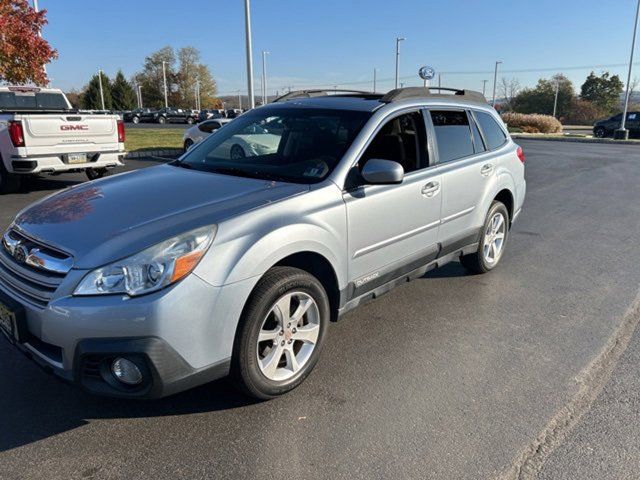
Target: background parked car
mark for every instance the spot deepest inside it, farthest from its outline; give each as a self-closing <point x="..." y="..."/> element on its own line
<point x="233" y="112"/>
<point x="209" y="113"/>
<point x="134" y="115"/>
<point x="199" y="132"/>
<point x="605" y="128"/>
<point x="175" y="115"/>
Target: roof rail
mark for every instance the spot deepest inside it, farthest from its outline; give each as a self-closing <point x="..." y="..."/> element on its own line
<point x="421" y="92"/>
<point x="317" y="93"/>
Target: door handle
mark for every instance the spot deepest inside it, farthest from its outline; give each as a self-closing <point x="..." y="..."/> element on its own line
<point x="431" y="189"/>
<point x="486" y="169"/>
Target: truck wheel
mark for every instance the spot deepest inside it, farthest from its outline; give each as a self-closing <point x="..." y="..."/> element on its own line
<point x="281" y="333"/>
<point x="135" y="120"/>
<point x="493" y="240"/>
<point x="9" y="182"/>
<point x="95" y="173"/>
<point x="162" y="120"/>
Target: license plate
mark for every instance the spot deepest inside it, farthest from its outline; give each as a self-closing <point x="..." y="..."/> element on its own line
<point x="7" y="321"/>
<point x="77" y="158"/>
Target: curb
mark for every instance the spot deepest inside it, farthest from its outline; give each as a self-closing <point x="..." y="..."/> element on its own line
<point x="167" y="153"/>
<point x="576" y="139"/>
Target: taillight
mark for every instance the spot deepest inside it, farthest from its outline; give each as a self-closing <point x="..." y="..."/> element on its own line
<point x="520" y="154"/>
<point x="16" y="133"/>
<point x="121" y="136"/>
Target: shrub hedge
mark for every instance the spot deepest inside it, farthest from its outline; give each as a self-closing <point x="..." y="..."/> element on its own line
<point x="532" y="123"/>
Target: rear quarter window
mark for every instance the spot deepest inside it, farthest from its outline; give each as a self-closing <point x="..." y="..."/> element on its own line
<point x="493" y="134"/>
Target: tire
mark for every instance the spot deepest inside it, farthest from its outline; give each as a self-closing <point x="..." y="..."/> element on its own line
<point x="95" y="173"/>
<point x="9" y="182"/>
<point x="599" y="132"/>
<point x="486" y="259"/>
<point x="266" y="369"/>
<point x="188" y="143"/>
<point x="162" y="120"/>
<point x="135" y="120"/>
<point x="237" y="152"/>
<point x="190" y="121"/>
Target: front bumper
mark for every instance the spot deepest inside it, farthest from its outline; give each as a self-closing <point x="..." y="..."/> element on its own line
<point x="179" y="337"/>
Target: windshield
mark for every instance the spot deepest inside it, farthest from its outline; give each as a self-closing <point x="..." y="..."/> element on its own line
<point x="32" y="101"/>
<point x="297" y="145"/>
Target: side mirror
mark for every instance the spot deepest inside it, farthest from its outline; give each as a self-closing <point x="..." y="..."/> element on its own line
<point x="382" y="172"/>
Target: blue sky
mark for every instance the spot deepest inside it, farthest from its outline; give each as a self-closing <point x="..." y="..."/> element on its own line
<point x="332" y="42"/>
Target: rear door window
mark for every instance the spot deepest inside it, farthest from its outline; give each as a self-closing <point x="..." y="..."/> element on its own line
<point x="493" y="134"/>
<point x="453" y="134"/>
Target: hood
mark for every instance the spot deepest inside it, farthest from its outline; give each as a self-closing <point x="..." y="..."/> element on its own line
<point x="106" y="220"/>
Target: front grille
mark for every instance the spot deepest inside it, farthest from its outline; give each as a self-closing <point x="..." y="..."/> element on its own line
<point x="31" y="284"/>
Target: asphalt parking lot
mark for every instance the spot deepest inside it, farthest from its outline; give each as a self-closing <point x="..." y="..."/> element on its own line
<point x="524" y="371"/>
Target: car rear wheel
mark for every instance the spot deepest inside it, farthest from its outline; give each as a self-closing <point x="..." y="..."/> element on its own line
<point x="237" y="152"/>
<point x="135" y="120"/>
<point x="162" y="120"/>
<point x="599" y="132"/>
<point x="95" y="173"/>
<point x="493" y="240"/>
<point x="9" y="182"/>
<point x="188" y="143"/>
<point x="190" y="121"/>
<point x="281" y="333"/>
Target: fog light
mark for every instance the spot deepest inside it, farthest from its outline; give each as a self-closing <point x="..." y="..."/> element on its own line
<point x="126" y="371"/>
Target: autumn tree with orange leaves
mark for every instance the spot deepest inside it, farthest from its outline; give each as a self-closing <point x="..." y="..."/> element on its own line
<point x="23" y="53"/>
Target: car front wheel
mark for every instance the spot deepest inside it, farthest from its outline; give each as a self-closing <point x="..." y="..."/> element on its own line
<point x="135" y="120"/>
<point x="493" y="240"/>
<point x="281" y="333"/>
<point x="162" y="120"/>
<point x="599" y="132"/>
<point x="188" y="143"/>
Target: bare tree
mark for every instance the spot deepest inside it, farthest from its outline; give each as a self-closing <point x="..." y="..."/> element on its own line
<point x="508" y="90"/>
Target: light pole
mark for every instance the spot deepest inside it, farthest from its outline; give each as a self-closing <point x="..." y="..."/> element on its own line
<point x="484" y="86"/>
<point x="439" y="83"/>
<point x="101" y="92"/>
<point x="196" y="91"/>
<point x="164" y="76"/>
<point x="239" y="100"/>
<point x="247" y="21"/>
<point x="37" y="9"/>
<point x="622" y="133"/>
<point x="139" y="96"/>
<point x="398" y="40"/>
<point x="375" y="75"/>
<point x="495" y="82"/>
<point x="264" y="77"/>
<point x="555" y="100"/>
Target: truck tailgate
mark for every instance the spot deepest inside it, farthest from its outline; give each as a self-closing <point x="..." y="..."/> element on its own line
<point x="64" y="133"/>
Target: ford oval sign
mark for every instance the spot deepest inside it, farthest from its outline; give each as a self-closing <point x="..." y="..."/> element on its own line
<point x="427" y="72"/>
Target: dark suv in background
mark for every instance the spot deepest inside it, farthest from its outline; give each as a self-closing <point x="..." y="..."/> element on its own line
<point x="605" y="128"/>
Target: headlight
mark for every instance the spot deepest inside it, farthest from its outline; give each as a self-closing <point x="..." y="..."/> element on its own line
<point x="152" y="269"/>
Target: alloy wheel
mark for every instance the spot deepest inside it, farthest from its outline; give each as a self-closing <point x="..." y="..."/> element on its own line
<point x="494" y="237"/>
<point x="288" y="336"/>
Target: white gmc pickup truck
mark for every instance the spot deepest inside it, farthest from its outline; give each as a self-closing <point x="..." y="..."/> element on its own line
<point x="40" y="133"/>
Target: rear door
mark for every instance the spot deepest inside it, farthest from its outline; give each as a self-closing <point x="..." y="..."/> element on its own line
<point x="66" y="133"/>
<point x="393" y="229"/>
<point x="466" y="172"/>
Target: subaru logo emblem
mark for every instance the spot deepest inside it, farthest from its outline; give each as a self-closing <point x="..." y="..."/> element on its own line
<point x="20" y="253"/>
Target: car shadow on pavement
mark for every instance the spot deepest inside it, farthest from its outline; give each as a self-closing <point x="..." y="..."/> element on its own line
<point x="35" y="406"/>
<point x="39" y="184"/>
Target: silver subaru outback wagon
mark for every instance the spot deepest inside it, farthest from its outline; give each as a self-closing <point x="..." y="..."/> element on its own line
<point x="234" y="258"/>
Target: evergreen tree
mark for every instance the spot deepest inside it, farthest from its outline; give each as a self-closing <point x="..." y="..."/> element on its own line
<point x="603" y="91"/>
<point x="91" y="97"/>
<point x="540" y="99"/>
<point x="122" y="93"/>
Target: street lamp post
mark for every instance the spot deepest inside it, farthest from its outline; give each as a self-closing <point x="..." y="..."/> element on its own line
<point x="484" y="86"/>
<point x="140" y="96"/>
<point x="101" y="92"/>
<point x="555" y="100"/>
<point x="264" y="77"/>
<point x="495" y="82"/>
<point x="622" y="133"/>
<point x="247" y="21"/>
<point x="375" y="75"/>
<point x="164" y="76"/>
<point x="239" y="100"/>
<point x="398" y="40"/>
